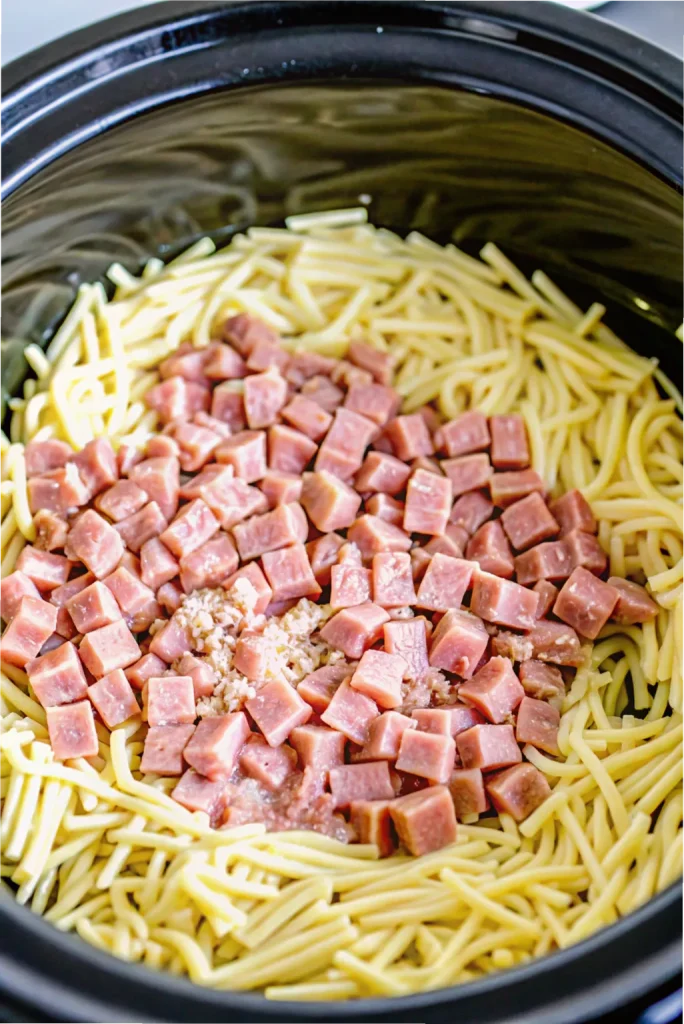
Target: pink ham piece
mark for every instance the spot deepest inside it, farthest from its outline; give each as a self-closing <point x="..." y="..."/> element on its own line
<point x="289" y="573"/>
<point x="202" y="674"/>
<point x="329" y="503"/>
<point x="65" y="625"/>
<point x="376" y="402"/>
<point x="428" y="503"/>
<point x="163" y="750"/>
<point x="349" y="585"/>
<point x="33" y="622"/>
<point x="352" y="782"/>
<point x="379" y="364"/>
<point x="382" y="472"/>
<point x="384" y="507"/>
<point x="253" y="578"/>
<point x="197" y="793"/>
<point x="466" y="433"/>
<point x="494" y="690"/>
<point x="149" y="665"/>
<point x="444" y="584"/>
<point x="488" y="747"/>
<point x="224" y="364"/>
<point x="281" y="488"/>
<point x="544" y="682"/>
<point x="490" y="549"/>
<point x="94" y="607"/>
<point x="170" y="597"/>
<point x="461" y="717"/>
<point x="61" y="491"/>
<point x="216" y="743"/>
<point x="467" y="472"/>
<point x="346" y="374"/>
<point x="208" y="565"/>
<point x="345" y="443"/>
<point x="270" y="766"/>
<point x="170" y="700"/>
<point x="187" y="362"/>
<point x="246" y="453"/>
<point x="378" y="675"/>
<point x="142" y="526"/>
<point x="109" y="648"/>
<point x="373" y="535"/>
<point x="393" y="580"/>
<point x="307" y="416"/>
<point x="289" y="451"/>
<point x="304" y="365"/>
<point x="45" y="569"/>
<point x="509" y="449"/>
<point x="555" y="642"/>
<point x="113" y="699"/>
<point x="634" y="604"/>
<point x="467" y="790"/>
<point x="134" y="598"/>
<point x="94" y="542"/>
<point x="172" y="640"/>
<point x="429" y="755"/>
<point x="452" y="542"/>
<point x="507" y="488"/>
<point x="228" y="404"/>
<point x="71" y="729"/>
<point x="157" y="564"/>
<point x="319" y="687"/>
<point x="427" y="463"/>
<point x="51" y="530"/>
<point x="573" y="512"/>
<point x="97" y="465"/>
<point x="127" y="457"/>
<point x="264" y="396"/>
<point x="244" y="331"/>
<point x="546" y="595"/>
<point x="528" y="522"/>
<point x="230" y="499"/>
<point x="350" y="712"/>
<point x="58" y="677"/>
<point x="285" y="525"/>
<point x="425" y="821"/>
<point x="458" y="643"/>
<point x="372" y="822"/>
<point x="586" y="603"/>
<point x="537" y="724"/>
<point x="194" y="524"/>
<point x="518" y="791"/>
<point x="121" y="500"/>
<point x="549" y="561"/>
<point x="384" y="736"/>
<point x="61" y="595"/>
<point x="46" y="456"/>
<point x="502" y="602"/>
<point x="12" y="589"/>
<point x="177" y="399"/>
<point x="349" y="554"/>
<point x="437" y="720"/>
<point x="408" y="639"/>
<point x="163" y="446"/>
<point x="266" y="355"/>
<point x="277" y="708"/>
<point x="196" y="445"/>
<point x="409" y="437"/>
<point x="585" y="551"/>
<point x="323" y="392"/>
<point x="354" y="630"/>
<point x="159" y="479"/>
<point x="319" y="749"/>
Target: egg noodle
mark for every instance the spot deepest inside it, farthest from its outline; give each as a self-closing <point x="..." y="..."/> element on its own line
<point x="98" y="849"/>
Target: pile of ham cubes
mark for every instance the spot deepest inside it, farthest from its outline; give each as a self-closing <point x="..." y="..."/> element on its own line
<point x="297" y="473"/>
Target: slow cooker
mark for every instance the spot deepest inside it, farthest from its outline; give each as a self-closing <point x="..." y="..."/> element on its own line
<point x="552" y="133"/>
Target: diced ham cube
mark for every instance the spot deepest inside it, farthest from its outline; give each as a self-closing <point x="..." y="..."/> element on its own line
<point x="537" y="724"/>
<point x="46" y="456"/>
<point x="304" y="365"/>
<point x="170" y="700"/>
<point x="427" y="463"/>
<point x="427" y="754"/>
<point x="425" y="821"/>
<point x="270" y="766"/>
<point x="157" y="564"/>
<point x="246" y="453"/>
<point x="350" y="712"/>
<point x="289" y="573"/>
<point x="461" y="717"/>
<point x="373" y="535"/>
<point x="555" y="642"/>
<point x="408" y="639"/>
<point x="585" y="551"/>
<point x="224" y="364"/>
<point x="94" y="607"/>
<point x="509" y="449"/>
<point x="62" y="595"/>
<point x="352" y="782"/>
<point x="264" y="396"/>
<point x="329" y="503"/>
<point x="171" y="641"/>
<point x="379" y="364"/>
<point x="65" y="627"/>
<point x="420" y="559"/>
<point x="197" y="793"/>
<point x="573" y="512"/>
<point x="186" y="362"/>
<point x="196" y="445"/>
<point x="467" y="472"/>
<point x="452" y="542"/>
<point x="51" y="530"/>
<point x="243" y="331"/>
<point x="502" y="602"/>
<point x="518" y="791"/>
<point x="494" y="690"/>
<point x="384" y="507"/>
<point x="127" y="457"/>
<point x="142" y="526"/>
<point x="58" y="677"/>
<point x="549" y="561"/>
<point x="458" y="643"/>
<point x="490" y="549"/>
<point x="470" y="511"/>
<point x="507" y="488"/>
<point x="163" y="750"/>
<point x="372" y="822"/>
<point x="228" y="404"/>
<point x="319" y="687"/>
<point x="178" y="399"/>
<point x="33" y="622"/>
<point x="444" y="583"/>
<point x="232" y="500"/>
<point x="323" y="392"/>
<point x="375" y="401"/>
<point x="163" y="446"/>
<point x="466" y="433"/>
<point x="277" y="709"/>
<point x="149" y="665"/>
<point x="382" y="472"/>
<point x="634" y="604"/>
<point x="281" y="488"/>
<point x="488" y="747"/>
<point x="384" y="736"/>
<point x="428" y="503"/>
<point x="285" y="525"/>
<point x="109" y="648"/>
<point x="252" y="575"/>
<point x="346" y="374"/>
<point x="345" y="443"/>
<point x="544" y="682"/>
<point x="194" y="524"/>
<point x="159" y="478"/>
<point x="113" y="699"/>
<point x="93" y="541"/>
<point x="354" y="630"/>
<point x="60" y="491"/>
<point x="97" y="465"/>
<point x="289" y="450"/>
<point x="349" y="585"/>
<point x="202" y="674"/>
<point x="528" y="522"/>
<point x="134" y="598"/>
<point x="266" y="355"/>
<point x="121" y="500"/>
<point x="71" y="729"/>
<point x="322" y="554"/>
<point x="319" y="749"/>
<point x="12" y="589"/>
<point x="586" y="603"/>
<point x="546" y="595"/>
<point x="393" y="580"/>
<point x="45" y="569"/>
<point x="467" y="790"/>
<point x="208" y="565"/>
<point x="307" y="416"/>
<point x="379" y="676"/>
<point x="215" y="745"/>
<point x="409" y="437"/>
<point x="170" y="597"/>
<point x="437" y="720"/>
